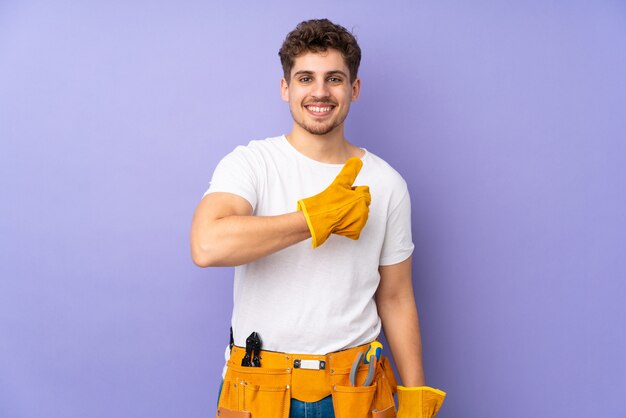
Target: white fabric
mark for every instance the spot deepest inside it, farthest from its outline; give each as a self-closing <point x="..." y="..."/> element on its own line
<point x="305" y="300"/>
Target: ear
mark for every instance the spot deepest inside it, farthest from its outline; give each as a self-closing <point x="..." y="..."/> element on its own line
<point x="284" y="89"/>
<point x="356" y="89"/>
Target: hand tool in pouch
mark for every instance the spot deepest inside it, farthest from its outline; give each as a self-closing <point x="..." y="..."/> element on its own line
<point x="253" y="351"/>
<point x="232" y="340"/>
<point x="372" y="357"/>
<point x="374" y="350"/>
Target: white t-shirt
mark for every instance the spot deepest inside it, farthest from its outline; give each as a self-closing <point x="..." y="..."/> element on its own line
<point x="305" y="300"/>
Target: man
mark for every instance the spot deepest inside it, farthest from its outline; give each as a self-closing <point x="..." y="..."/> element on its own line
<point x="319" y="231"/>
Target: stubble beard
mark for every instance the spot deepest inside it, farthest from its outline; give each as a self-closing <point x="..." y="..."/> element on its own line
<point x="318" y="128"/>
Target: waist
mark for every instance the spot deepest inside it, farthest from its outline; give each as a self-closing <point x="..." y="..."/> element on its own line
<point x="331" y="362"/>
<point x="309" y="377"/>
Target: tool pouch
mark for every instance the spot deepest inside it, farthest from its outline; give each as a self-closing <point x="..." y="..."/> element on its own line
<point x="375" y="401"/>
<point x="353" y="401"/>
<point x="228" y="413"/>
<point x="255" y="392"/>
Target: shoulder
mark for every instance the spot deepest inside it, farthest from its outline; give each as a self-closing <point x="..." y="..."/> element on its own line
<point x="256" y="151"/>
<point x="379" y="169"/>
<point x="261" y="148"/>
<point x="387" y="186"/>
<point x="264" y="145"/>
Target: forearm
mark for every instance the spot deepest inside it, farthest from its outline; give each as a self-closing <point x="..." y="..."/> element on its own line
<point x="401" y="325"/>
<point x="236" y="239"/>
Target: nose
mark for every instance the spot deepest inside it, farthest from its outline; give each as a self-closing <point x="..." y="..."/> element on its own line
<point x="320" y="88"/>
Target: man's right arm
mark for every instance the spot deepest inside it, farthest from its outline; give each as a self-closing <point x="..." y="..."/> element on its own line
<point x="225" y="233"/>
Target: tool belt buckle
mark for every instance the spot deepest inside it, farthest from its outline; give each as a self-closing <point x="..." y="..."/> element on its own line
<point x="309" y="364"/>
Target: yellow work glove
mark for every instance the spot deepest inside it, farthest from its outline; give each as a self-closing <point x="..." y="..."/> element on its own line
<point x="340" y="209"/>
<point x="419" y="402"/>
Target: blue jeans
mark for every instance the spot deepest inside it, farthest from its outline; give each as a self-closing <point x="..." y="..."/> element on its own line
<point x="319" y="409"/>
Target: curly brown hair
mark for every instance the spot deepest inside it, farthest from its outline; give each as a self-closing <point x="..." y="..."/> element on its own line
<point x="318" y="35"/>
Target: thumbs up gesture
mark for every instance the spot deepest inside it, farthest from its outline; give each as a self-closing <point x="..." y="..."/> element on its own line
<point x="340" y="209"/>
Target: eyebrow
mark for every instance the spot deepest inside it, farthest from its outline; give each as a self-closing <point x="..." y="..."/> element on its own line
<point x="307" y="72"/>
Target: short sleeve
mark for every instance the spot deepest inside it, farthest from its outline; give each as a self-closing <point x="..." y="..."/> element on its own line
<point x="235" y="174"/>
<point x="398" y="242"/>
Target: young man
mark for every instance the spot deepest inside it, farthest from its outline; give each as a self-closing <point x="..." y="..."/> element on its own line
<point x="319" y="231"/>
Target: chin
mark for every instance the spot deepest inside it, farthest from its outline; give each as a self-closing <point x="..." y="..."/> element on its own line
<point x="318" y="129"/>
<point x="319" y="132"/>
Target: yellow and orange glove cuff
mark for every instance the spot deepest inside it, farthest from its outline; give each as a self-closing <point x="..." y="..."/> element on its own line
<point x="419" y="402"/>
<point x="318" y="228"/>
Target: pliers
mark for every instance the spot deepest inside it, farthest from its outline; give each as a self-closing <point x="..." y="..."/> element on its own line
<point x="372" y="357"/>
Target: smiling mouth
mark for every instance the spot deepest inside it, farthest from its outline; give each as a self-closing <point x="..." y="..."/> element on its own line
<point x="319" y="110"/>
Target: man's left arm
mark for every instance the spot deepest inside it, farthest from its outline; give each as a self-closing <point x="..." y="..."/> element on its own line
<point x="397" y="310"/>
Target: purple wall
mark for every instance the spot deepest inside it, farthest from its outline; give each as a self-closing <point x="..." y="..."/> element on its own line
<point x="508" y="122"/>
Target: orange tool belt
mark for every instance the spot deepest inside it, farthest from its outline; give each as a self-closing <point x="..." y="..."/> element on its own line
<point x="266" y="391"/>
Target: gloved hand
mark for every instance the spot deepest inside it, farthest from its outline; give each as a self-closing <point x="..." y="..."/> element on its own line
<point x="419" y="402"/>
<point x="340" y="209"/>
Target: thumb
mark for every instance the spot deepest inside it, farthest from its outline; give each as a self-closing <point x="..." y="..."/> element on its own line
<point x="348" y="173"/>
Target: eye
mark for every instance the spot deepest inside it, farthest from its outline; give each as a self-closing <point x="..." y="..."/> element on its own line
<point x="335" y="80"/>
<point x="304" y="79"/>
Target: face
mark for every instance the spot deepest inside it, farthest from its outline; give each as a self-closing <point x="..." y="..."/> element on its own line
<point x="319" y="91"/>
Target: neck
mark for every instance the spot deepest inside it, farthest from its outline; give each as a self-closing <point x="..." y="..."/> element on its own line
<point x="331" y="148"/>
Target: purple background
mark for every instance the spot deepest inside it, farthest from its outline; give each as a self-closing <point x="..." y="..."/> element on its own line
<point x="507" y="120"/>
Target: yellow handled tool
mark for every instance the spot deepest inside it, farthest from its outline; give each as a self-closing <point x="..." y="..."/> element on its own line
<point x="371" y="357"/>
<point x="375" y="349"/>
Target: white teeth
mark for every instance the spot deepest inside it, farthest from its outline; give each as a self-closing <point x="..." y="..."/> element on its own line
<point x="319" y="109"/>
